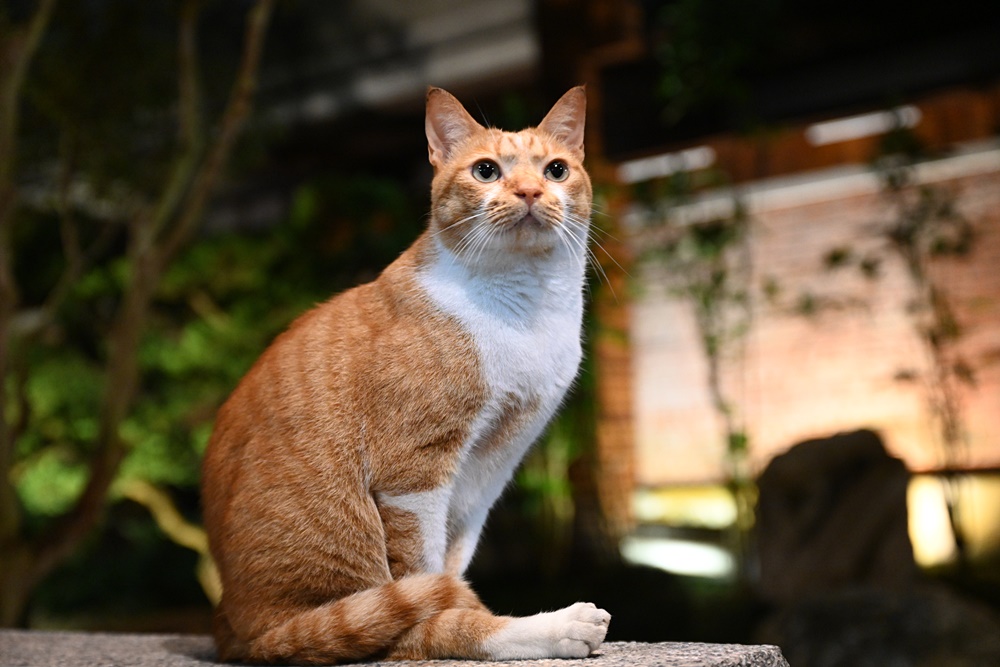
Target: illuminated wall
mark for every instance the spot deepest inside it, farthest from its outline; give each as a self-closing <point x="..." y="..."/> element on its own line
<point x="838" y="369"/>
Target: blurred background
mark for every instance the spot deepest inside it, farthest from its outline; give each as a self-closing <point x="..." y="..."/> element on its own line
<point x="787" y="426"/>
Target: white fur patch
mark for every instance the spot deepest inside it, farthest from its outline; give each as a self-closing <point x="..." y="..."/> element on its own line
<point x="524" y="315"/>
<point x="573" y="632"/>
<point x="431" y="511"/>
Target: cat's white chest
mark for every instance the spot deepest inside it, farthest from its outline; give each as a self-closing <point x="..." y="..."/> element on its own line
<point x="525" y="323"/>
<point x="529" y="343"/>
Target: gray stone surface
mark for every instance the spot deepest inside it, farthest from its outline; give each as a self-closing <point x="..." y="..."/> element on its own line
<point x="25" y="648"/>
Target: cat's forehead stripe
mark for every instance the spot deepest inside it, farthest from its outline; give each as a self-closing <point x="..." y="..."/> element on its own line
<point x="512" y="145"/>
<point x="520" y="142"/>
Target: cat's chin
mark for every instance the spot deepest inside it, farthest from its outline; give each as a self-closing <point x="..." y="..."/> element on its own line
<point x="530" y="234"/>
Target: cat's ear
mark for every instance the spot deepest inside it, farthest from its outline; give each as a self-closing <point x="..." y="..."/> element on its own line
<point x="566" y="119"/>
<point x="447" y="124"/>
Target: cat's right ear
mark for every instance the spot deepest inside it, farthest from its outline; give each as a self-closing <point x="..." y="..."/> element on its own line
<point x="447" y="124"/>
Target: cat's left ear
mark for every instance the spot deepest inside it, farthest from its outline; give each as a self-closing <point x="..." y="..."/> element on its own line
<point x="447" y="124"/>
<point x="566" y="119"/>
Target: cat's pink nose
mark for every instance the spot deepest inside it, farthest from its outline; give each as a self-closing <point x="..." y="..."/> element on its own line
<point x="529" y="192"/>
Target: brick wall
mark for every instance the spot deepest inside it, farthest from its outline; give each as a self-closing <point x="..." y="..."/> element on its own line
<point x="806" y="376"/>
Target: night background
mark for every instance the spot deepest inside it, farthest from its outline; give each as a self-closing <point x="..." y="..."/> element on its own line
<point x="787" y="425"/>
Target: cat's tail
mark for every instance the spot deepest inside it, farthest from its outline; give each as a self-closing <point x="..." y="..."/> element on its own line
<point x="359" y="626"/>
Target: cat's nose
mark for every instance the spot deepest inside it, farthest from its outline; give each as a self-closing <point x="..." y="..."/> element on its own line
<point x="529" y="192"/>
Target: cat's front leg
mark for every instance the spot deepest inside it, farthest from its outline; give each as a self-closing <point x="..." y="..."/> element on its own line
<point x="573" y="632"/>
<point x="462" y="546"/>
<point x="473" y="633"/>
<point x="416" y="529"/>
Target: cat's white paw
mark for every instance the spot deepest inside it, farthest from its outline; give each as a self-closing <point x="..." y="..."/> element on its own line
<point x="573" y="632"/>
<point x="581" y="629"/>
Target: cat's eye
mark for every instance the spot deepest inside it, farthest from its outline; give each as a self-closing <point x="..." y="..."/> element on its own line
<point x="557" y="171"/>
<point x="485" y="171"/>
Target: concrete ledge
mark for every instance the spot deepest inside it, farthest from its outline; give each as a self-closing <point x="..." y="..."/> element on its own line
<point x="27" y="648"/>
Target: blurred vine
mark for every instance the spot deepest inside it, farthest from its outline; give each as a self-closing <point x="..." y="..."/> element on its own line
<point x="707" y="264"/>
<point x="925" y="225"/>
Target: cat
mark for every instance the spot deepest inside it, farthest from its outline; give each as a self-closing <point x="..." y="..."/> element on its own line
<point x="349" y="474"/>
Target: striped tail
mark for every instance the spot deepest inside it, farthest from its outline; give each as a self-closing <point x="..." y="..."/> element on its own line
<point x="363" y="625"/>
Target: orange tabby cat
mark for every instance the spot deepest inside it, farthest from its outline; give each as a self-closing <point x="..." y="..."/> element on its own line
<point x="350" y="473"/>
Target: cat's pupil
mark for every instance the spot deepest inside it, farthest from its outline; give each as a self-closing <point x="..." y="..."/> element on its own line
<point x="556" y="171"/>
<point x="487" y="171"/>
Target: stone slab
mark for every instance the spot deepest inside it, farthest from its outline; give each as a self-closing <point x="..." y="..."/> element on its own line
<point x="29" y="648"/>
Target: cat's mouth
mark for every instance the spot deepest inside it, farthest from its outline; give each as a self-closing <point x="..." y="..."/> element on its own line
<point x="529" y="232"/>
<point x="528" y="221"/>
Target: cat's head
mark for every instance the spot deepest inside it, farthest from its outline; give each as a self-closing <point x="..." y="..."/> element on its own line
<point x="497" y="193"/>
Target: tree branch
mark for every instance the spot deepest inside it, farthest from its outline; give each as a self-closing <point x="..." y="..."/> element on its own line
<point x="190" y="124"/>
<point x="189" y="90"/>
<point x="237" y="109"/>
<point x="164" y="512"/>
<point x="29" y="322"/>
<point x="17" y="50"/>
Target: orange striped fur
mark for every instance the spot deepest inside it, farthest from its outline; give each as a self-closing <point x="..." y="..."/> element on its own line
<point x="349" y="474"/>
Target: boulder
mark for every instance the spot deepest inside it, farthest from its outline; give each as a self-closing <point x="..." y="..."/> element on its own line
<point x="832" y="514"/>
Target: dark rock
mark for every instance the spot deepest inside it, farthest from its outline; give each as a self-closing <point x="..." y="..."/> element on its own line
<point x="927" y="626"/>
<point x="832" y="514"/>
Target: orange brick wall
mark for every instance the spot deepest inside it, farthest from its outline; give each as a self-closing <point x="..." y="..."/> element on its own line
<point x="803" y="377"/>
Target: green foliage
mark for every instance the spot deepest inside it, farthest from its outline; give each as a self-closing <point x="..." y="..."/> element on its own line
<point x="219" y="305"/>
<point x="708" y="268"/>
<point x="49" y="482"/>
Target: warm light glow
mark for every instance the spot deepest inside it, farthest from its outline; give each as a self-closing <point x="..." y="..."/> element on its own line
<point x="697" y="506"/>
<point x="863" y="125"/>
<point x="679" y="556"/>
<point x="658" y="166"/>
<point x="930" y="531"/>
<point x="978" y="515"/>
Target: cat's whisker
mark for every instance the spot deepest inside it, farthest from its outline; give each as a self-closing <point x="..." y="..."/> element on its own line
<point x="482" y="219"/>
<point x="564" y="236"/>
<point x="592" y="236"/>
<point x="464" y="220"/>
<point x="476" y="240"/>
<point x="586" y="243"/>
<point x="492" y="232"/>
<point x="605" y="234"/>
<point x="471" y="240"/>
<point x="582" y="224"/>
<point x="595" y="229"/>
<point x="610" y="256"/>
<point x="574" y="242"/>
<point x="580" y="244"/>
<point x="599" y="271"/>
